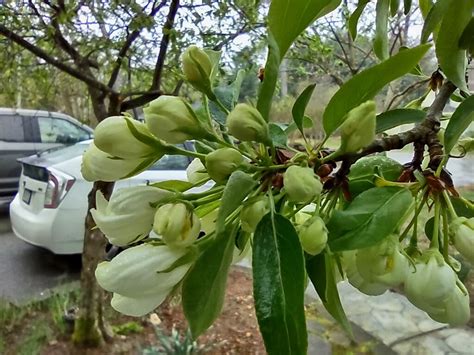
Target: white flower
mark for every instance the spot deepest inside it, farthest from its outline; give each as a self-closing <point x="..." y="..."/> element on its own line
<point x="431" y="283"/>
<point x="113" y="136"/>
<point x="177" y="224"/>
<point x="139" y="277"/>
<point x="196" y="171"/>
<point x="128" y="216"/>
<point x="455" y="310"/>
<point x="356" y="279"/>
<point x="99" y="166"/>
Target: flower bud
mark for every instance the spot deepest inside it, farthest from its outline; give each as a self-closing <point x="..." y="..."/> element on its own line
<point x="431" y="283"/>
<point x="170" y="118"/>
<point x="253" y="213"/>
<point x="99" y="166"/>
<point x="313" y="235"/>
<point x="221" y="163"/>
<point x="383" y="263"/>
<point x="455" y="311"/>
<point x="301" y="184"/>
<point x="177" y="224"/>
<point x="137" y="279"/>
<point x="197" y="68"/>
<point x="196" y="171"/>
<point x="462" y="234"/>
<point x="128" y="216"/>
<point x="113" y="136"/>
<point x="356" y="279"/>
<point x="358" y="130"/>
<point x="247" y="124"/>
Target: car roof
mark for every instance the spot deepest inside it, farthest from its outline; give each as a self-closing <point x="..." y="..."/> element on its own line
<point x="29" y="112"/>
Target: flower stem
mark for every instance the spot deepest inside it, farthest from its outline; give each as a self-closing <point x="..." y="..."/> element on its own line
<point x="449" y="204"/>
<point x="435" y="240"/>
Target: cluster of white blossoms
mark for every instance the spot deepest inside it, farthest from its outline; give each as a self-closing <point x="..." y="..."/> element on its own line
<point x="165" y="227"/>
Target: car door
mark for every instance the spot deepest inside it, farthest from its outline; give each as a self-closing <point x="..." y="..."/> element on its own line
<point x="15" y="143"/>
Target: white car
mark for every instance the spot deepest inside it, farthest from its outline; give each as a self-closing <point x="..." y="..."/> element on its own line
<point x="51" y="204"/>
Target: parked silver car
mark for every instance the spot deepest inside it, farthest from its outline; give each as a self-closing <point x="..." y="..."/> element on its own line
<point x="26" y="132"/>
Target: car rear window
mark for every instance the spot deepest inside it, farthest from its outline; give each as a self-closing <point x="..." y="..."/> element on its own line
<point x="60" y="154"/>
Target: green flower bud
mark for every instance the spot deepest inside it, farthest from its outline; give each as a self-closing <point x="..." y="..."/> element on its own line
<point x="197" y="68"/>
<point x="253" y="213"/>
<point x="455" y="310"/>
<point x="358" y="130"/>
<point x="383" y="263"/>
<point x="431" y="283"/>
<point x="301" y="184"/>
<point x="128" y="216"/>
<point x="170" y="118"/>
<point x="247" y="124"/>
<point x="313" y="235"/>
<point x="100" y="166"/>
<point x="462" y="234"/>
<point x="355" y="278"/>
<point x="221" y="163"/>
<point x="177" y="225"/>
<point x="113" y="137"/>
<point x="136" y="278"/>
<point x="196" y="171"/>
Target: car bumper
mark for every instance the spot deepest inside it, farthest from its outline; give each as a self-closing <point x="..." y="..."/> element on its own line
<point x="40" y="229"/>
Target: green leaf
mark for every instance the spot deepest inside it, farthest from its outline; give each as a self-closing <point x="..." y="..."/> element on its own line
<point x="288" y="18"/>
<point x="215" y="57"/>
<point x="321" y="271"/>
<point x="371" y="217"/>
<point x="236" y="190"/>
<point x="451" y="58"/>
<point x="394" y="6"/>
<point x="406" y="6"/>
<point x="381" y="23"/>
<point x="204" y="286"/>
<point x="467" y="37"/>
<point x="278" y="135"/>
<point x="434" y="17"/>
<point x="307" y="123"/>
<point x="300" y="106"/>
<point x="173" y="185"/>
<point x="425" y="6"/>
<point x="278" y="286"/>
<point x="354" y="18"/>
<point x="461" y="208"/>
<point x="458" y="123"/>
<point x="237" y="85"/>
<point x="366" y="84"/>
<point x="267" y="88"/>
<point x="225" y="95"/>
<point x="398" y="117"/>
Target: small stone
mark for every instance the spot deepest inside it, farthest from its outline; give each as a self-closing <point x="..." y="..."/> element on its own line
<point x="248" y="334"/>
<point x="53" y="342"/>
<point x="154" y="319"/>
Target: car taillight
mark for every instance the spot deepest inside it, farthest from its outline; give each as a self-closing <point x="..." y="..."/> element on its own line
<point x="58" y="186"/>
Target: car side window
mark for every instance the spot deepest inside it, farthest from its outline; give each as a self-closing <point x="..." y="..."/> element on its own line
<point x="171" y="162"/>
<point x="11" y="128"/>
<point x="57" y="130"/>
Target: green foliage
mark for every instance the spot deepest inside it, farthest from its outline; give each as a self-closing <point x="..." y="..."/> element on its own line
<point x="300" y="106"/>
<point x="394" y="118"/>
<point x="371" y="217"/>
<point x="354" y="18"/>
<point x="367" y="84"/>
<point x="279" y="283"/>
<point x="433" y="19"/>
<point x="127" y="328"/>
<point x="37" y="336"/>
<point x="381" y="23"/>
<point x="174" y="344"/>
<point x="458" y="123"/>
<point x="204" y="286"/>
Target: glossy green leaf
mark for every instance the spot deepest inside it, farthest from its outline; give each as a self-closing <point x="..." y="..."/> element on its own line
<point x="333" y="4"/>
<point x="458" y="123"/>
<point x="321" y="270"/>
<point x="398" y="117"/>
<point x="278" y="286"/>
<point x="461" y="208"/>
<point x="381" y="24"/>
<point x="354" y="18"/>
<point x="394" y="6"/>
<point x="288" y="18"/>
<point x="307" y="123"/>
<point x="205" y="284"/>
<point x="425" y="6"/>
<point x="236" y="190"/>
<point x="237" y="85"/>
<point x="366" y="84"/>
<point x="225" y="96"/>
<point x="406" y="6"/>
<point x="371" y="217"/>
<point x="278" y="135"/>
<point x="434" y="17"/>
<point x="173" y="185"/>
<point x="268" y="86"/>
<point x="451" y="58"/>
<point x="300" y="106"/>
<point x="467" y="37"/>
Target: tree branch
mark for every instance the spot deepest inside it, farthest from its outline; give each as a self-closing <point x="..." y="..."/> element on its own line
<point x="39" y="52"/>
